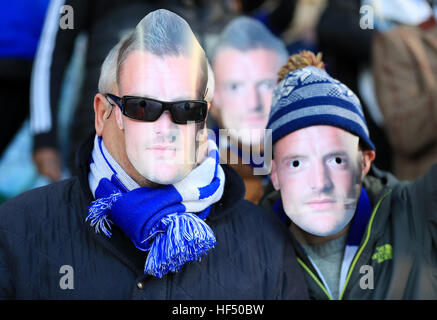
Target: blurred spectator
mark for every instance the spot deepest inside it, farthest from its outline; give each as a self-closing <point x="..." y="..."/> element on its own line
<point x="346" y="50"/>
<point x="301" y="33"/>
<point x="405" y="69"/>
<point x="21" y="23"/>
<point x="245" y="61"/>
<point x="104" y="23"/>
<point x="274" y="14"/>
<point x="294" y="21"/>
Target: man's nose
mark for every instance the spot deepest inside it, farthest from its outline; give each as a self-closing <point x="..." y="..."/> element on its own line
<point x="164" y="123"/>
<point x="320" y="179"/>
<point x="254" y="100"/>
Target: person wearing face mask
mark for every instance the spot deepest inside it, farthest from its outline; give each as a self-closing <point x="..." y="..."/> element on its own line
<point x="152" y="214"/>
<point x="358" y="232"/>
<point x="245" y="60"/>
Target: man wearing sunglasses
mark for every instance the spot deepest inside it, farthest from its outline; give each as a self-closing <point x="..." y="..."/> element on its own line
<point x="152" y="214"/>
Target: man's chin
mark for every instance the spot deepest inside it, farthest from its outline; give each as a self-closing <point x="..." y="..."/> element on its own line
<point x="326" y="225"/>
<point x="165" y="174"/>
<point x="323" y="232"/>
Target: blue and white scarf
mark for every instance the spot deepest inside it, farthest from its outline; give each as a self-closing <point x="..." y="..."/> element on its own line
<point x="167" y="221"/>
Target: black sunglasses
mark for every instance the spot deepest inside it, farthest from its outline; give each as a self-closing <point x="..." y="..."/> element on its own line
<point x="146" y="109"/>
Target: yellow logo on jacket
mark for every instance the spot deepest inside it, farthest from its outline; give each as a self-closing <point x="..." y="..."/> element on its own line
<point x="383" y="253"/>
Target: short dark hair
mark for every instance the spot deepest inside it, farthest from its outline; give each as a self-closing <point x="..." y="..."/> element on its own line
<point x="243" y="34"/>
<point x="163" y="33"/>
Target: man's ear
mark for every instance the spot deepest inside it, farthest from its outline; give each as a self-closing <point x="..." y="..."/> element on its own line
<point x="119" y="118"/>
<point x="367" y="159"/>
<point x="102" y="110"/>
<point x="274" y="175"/>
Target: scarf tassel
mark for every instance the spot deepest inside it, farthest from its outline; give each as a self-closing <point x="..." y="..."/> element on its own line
<point x="178" y="238"/>
<point x="98" y="213"/>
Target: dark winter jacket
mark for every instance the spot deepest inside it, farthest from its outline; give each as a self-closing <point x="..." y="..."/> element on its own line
<point x="397" y="256"/>
<point x="48" y="251"/>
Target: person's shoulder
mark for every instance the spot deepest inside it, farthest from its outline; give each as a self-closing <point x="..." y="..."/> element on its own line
<point x="422" y="191"/>
<point x="40" y="203"/>
<point x="259" y="212"/>
<point x="425" y="185"/>
<point x="256" y="218"/>
<point x="405" y="200"/>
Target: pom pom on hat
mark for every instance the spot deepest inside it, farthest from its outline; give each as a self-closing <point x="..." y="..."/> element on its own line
<point x="298" y="61"/>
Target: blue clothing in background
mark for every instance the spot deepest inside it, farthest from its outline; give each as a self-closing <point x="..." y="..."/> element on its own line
<point x="21" y="23"/>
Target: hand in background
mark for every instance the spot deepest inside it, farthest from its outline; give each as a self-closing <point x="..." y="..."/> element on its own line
<point x="48" y="163"/>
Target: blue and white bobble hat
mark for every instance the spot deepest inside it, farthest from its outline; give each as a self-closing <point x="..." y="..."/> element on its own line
<point x="308" y="97"/>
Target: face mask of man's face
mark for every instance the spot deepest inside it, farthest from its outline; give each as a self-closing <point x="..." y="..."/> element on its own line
<point x="161" y="151"/>
<point x="244" y="88"/>
<point x="318" y="171"/>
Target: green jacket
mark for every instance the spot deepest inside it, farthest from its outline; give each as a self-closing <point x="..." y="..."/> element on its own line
<point x="397" y="256"/>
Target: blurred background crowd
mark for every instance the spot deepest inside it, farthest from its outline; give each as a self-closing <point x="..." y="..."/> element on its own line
<point x="383" y="50"/>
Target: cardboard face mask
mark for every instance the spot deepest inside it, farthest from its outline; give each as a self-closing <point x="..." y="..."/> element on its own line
<point x="245" y="82"/>
<point x="172" y="69"/>
<point x="318" y="171"/>
<point x="246" y="58"/>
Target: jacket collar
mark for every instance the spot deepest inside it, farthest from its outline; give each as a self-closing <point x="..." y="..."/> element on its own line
<point x="82" y="163"/>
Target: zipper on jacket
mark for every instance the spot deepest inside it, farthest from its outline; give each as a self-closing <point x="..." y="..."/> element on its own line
<point x="314" y="278"/>
<point x="360" y="250"/>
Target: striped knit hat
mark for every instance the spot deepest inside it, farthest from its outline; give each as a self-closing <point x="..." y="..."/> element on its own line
<point x="307" y="96"/>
